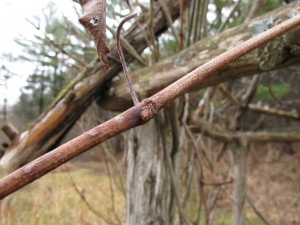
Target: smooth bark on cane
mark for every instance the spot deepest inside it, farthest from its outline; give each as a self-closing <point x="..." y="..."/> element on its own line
<point x="148" y="108"/>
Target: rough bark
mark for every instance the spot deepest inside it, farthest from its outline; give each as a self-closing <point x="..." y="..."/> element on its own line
<point x="240" y="185"/>
<point x="152" y="160"/>
<point x="51" y="127"/>
<point x="149" y="197"/>
<point x="151" y="79"/>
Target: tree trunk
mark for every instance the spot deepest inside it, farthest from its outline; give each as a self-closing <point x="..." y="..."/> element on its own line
<point x="240" y="185"/>
<point x="72" y="102"/>
<point x="149" y="198"/>
<point x="151" y="178"/>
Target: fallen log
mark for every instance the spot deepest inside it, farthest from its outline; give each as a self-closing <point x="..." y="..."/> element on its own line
<point x="72" y="102"/>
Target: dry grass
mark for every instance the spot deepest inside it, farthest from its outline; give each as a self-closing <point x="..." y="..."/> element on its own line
<point x="53" y="200"/>
<point x="273" y="185"/>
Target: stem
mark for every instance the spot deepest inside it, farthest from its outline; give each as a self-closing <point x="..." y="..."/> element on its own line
<point x="135" y="116"/>
<point x="121" y="55"/>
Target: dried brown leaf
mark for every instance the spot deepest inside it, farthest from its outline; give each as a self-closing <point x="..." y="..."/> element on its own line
<point x="94" y="21"/>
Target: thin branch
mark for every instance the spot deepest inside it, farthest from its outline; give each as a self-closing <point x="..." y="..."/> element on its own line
<point x="293" y="114"/>
<point x="228" y="136"/>
<point x="54" y="44"/>
<point x="121" y="55"/>
<point x="257" y="212"/>
<point x="152" y="38"/>
<point x="113" y="208"/>
<point x="82" y="197"/>
<point x="191" y="22"/>
<point x="137" y="115"/>
<point x="181" y="35"/>
<point x="294" y="201"/>
<point x="11" y="132"/>
<point x="236" y="5"/>
<point x="129" y="48"/>
<point x="256" y="6"/>
<point x="217" y="184"/>
<point x="165" y="10"/>
<point x="200" y="172"/>
<point x="168" y="155"/>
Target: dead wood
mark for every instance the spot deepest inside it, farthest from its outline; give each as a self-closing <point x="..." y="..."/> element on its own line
<point x="137" y="115"/>
<point x="151" y="79"/>
<point x="72" y="102"/>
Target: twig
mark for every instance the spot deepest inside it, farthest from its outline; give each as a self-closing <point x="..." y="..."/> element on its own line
<point x="129" y="48"/>
<point x="228" y="136"/>
<point x="167" y="14"/>
<point x="11" y="132"/>
<point x="168" y="155"/>
<point x="203" y="22"/>
<point x="200" y="171"/>
<point x="256" y="211"/>
<point x="82" y="197"/>
<point x="256" y="6"/>
<point x="137" y="115"/>
<point x="152" y="38"/>
<point x="54" y="44"/>
<point x="216" y="198"/>
<point x="120" y="183"/>
<point x="230" y="15"/>
<point x="121" y="55"/>
<point x="111" y="187"/>
<point x="181" y="36"/>
<point x="285" y="211"/>
<point x="191" y="22"/>
<point x="217" y="184"/>
<point x="293" y="114"/>
<point x="189" y="178"/>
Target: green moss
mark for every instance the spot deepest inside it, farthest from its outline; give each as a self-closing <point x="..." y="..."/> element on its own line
<point x="271" y="5"/>
<point x="279" y="90"/>
<point x="225" y="219"/>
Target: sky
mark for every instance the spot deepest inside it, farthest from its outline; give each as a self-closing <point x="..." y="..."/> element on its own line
<point x="12" y="25"/>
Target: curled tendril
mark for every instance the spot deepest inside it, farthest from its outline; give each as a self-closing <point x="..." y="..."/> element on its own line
<point x="121" y="55"/>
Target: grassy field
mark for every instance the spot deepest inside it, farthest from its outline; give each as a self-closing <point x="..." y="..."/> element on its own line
<point x="57" y="199"/>
<point x="54" y="199"/>
<point x="84" y="194"/>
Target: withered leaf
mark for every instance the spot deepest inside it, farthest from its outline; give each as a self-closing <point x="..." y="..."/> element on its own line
<point x="94" y="21"/>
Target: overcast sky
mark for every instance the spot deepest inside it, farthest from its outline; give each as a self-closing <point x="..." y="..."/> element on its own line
<point x="12" y="25"/>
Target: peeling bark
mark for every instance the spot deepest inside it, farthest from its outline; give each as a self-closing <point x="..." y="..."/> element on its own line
<point x="152" y="160"/>
<point x="149" y="197"/>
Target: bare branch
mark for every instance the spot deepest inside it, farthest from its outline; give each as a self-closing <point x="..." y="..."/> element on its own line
<point x="121" y="55"/>
<point x="293" y="114"/>
<point x="139" y="114"/>
<point x="224" y="135"/>
<point x="177" y="66"/>
<point x="69" y="105"/>
<point x="11" y="132"/>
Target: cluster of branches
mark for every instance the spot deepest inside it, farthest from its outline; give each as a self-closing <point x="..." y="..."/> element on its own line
<point x="196" y="71"/>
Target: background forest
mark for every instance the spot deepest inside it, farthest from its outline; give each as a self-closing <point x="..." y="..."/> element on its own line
<point x="227" y="152"/>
